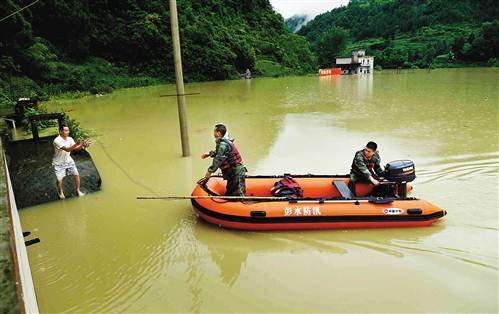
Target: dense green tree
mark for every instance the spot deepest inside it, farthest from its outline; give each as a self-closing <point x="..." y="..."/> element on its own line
<point x="330" y="45"/>
<point x="485" y="43"/>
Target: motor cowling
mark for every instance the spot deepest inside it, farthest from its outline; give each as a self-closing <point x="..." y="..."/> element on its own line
<point x="400" y="171"/>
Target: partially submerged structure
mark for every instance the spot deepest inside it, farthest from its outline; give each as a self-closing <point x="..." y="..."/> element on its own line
<point x="358" y="63"/>
<point x="32" y="175"/>
<point x="30" y="164"/>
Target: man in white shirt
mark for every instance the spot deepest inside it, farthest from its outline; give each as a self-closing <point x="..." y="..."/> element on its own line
<point x="63" y="164"/>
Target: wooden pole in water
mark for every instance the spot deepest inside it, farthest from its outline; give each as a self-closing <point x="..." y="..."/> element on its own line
<point x="179" y="79"/>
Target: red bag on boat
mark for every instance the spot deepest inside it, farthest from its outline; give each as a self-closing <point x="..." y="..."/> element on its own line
<point x="287" y="186"/>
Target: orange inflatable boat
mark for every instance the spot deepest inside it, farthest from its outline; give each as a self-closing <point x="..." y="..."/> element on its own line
<point x="327" y="203"/>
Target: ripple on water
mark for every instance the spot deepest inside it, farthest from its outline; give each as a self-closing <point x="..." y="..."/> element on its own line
<point x="459" y="167"/>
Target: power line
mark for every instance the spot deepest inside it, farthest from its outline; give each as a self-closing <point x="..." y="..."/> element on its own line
<point x="19" y="10"/>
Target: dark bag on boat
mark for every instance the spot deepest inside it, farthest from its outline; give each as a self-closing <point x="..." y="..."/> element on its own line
<point x="287" y="186"/>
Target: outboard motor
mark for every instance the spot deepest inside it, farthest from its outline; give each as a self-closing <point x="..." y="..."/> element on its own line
<point x="400" y="172"/>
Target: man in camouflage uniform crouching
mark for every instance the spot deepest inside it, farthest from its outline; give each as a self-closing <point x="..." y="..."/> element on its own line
<point x="366" y="166"/>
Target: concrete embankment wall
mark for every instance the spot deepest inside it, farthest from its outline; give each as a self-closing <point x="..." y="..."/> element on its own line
<point x="17" y="292"/>
<point x="8" y="294"/>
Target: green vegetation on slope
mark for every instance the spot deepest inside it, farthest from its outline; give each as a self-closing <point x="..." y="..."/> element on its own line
<point x="95" y="46"/>
<point x="413" y="33"/>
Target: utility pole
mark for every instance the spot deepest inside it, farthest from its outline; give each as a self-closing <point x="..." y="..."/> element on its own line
<point x="179" y="79"/>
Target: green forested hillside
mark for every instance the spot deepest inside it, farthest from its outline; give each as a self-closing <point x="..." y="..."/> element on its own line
<point x="409" y="33"/>
<point x="56" y="46"/>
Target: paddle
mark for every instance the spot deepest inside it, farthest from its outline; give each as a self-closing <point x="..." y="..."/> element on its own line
<point x="211" y="197"/>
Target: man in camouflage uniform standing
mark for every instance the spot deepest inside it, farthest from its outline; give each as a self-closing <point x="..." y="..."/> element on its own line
<point x="227" y="158"/>
<point x="366" y="166"/>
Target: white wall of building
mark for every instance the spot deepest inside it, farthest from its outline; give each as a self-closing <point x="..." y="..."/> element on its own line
<point x="343" y="60"/>
<point x="366" y="65"/>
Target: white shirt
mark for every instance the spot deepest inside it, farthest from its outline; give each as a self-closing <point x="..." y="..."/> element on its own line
<point x="61" y="156"/>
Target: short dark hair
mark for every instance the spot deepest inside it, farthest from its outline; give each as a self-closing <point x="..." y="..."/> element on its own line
<point x="372" y="146"/>
<point x="62" y="126"/>
<point x="221" y="128"/>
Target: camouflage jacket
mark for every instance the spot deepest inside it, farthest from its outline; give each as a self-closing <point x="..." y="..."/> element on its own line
<point x="363" y="167"/>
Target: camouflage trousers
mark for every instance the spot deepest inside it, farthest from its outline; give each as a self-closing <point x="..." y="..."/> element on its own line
<point x="235" y="177"/>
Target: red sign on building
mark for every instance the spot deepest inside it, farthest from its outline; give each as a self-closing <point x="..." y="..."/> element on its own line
<point x="331" y="71"/>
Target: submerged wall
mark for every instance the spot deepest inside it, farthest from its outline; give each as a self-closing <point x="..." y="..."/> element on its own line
<point x="32" y="175"/>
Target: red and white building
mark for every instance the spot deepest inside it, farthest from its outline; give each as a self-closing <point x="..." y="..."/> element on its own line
<point x="358" y="63"/>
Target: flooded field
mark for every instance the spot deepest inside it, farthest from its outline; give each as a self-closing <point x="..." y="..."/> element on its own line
<point x="109" y="251"/>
